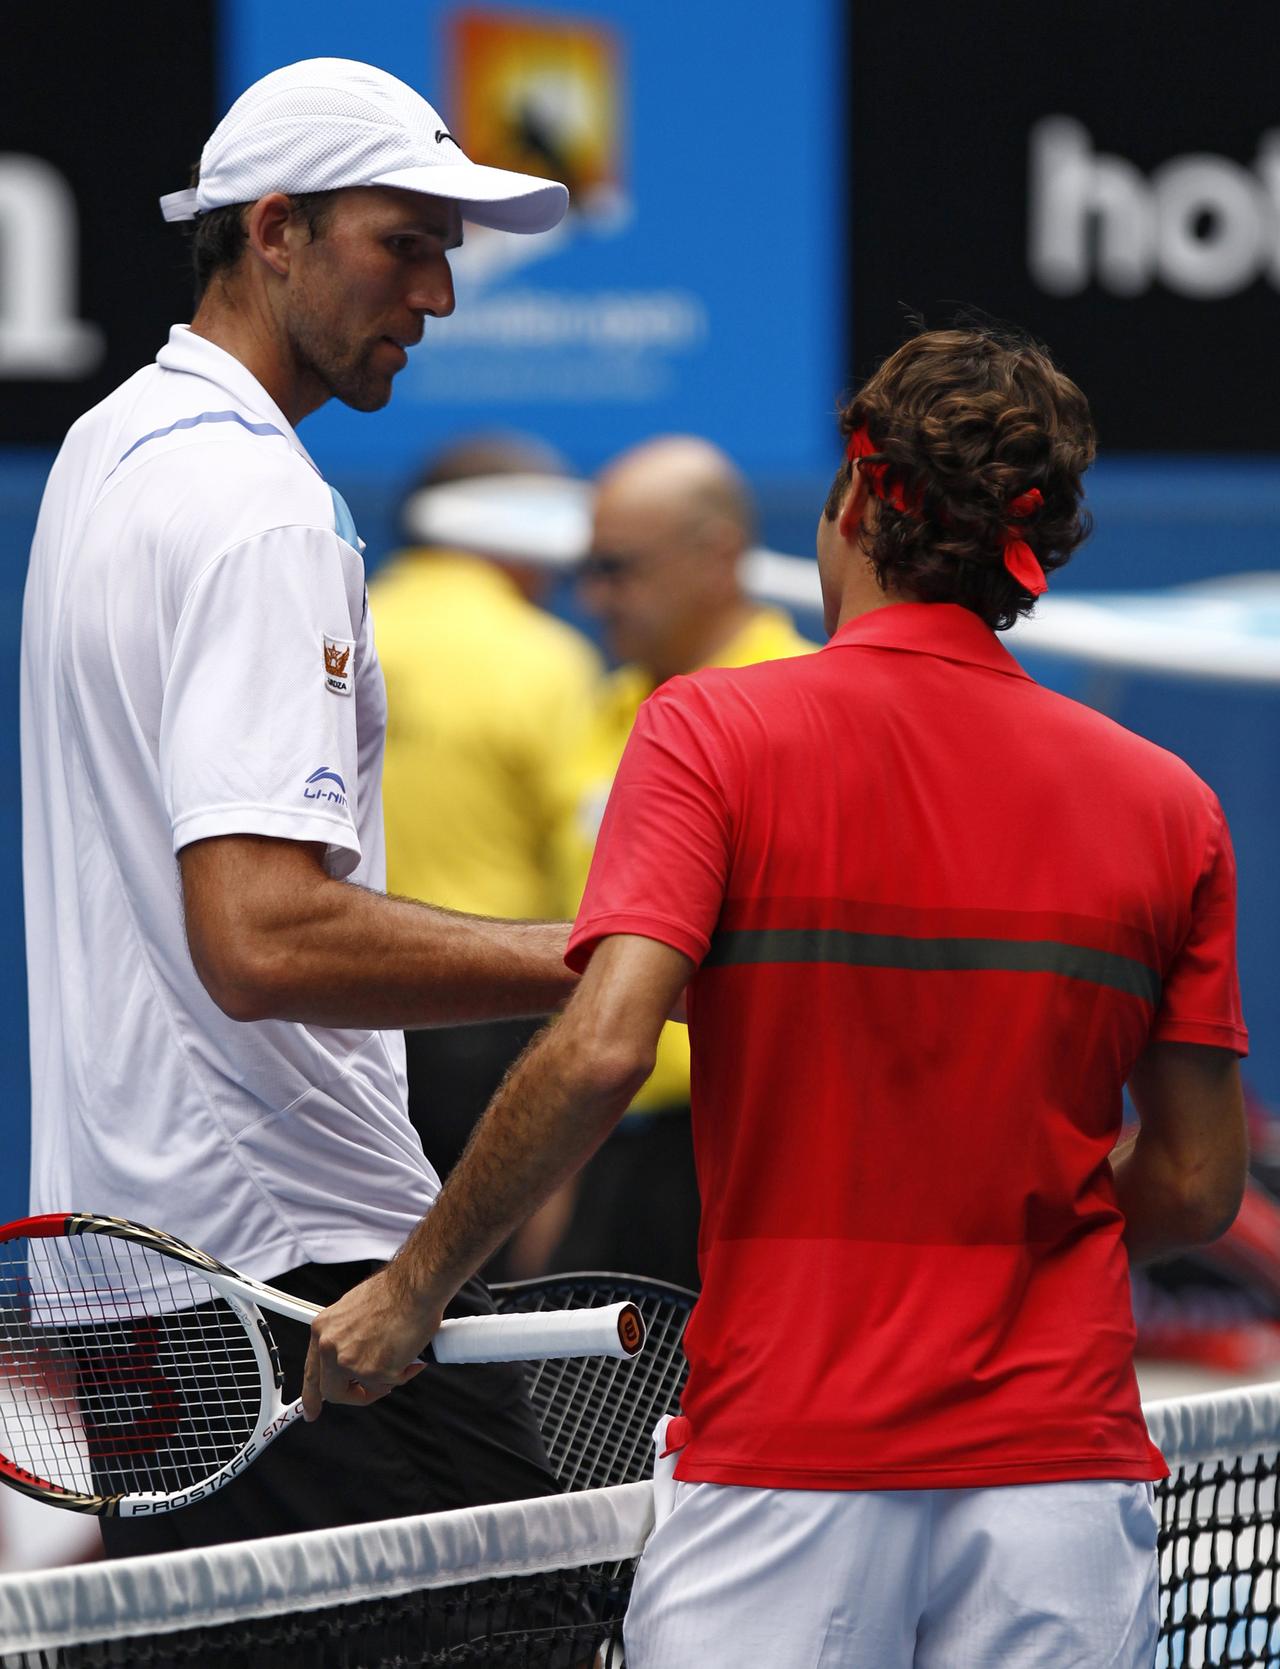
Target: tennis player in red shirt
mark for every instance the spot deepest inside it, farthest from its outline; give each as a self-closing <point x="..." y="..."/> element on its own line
<point x="932" y="919"/>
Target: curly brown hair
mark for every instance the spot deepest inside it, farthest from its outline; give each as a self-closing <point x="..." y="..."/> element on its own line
<point x="967" y="420"/>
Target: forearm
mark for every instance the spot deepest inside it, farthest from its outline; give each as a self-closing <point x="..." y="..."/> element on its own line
<point x="283" y="940"/>
<point x="550" y="1115"/>
<point x="1165" y="1211"/>
<point x="1180" y="1179"/>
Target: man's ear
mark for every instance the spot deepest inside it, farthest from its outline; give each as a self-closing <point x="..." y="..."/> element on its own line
<point x="268" y="224"/>
<point x="849" y="521"/>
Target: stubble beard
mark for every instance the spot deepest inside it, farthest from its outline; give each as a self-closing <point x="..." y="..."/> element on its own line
<point x="346" y="371"/>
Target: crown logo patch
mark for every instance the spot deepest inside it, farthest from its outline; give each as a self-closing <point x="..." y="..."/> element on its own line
<point x="337" y="665"/>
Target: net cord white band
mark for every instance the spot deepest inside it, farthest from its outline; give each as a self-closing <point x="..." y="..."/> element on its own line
<point x="167" y="1592"/>
<point x="1242" y="1421"/>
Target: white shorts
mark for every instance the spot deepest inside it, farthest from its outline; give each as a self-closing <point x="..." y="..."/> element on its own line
<point x="1027" y="1576"/>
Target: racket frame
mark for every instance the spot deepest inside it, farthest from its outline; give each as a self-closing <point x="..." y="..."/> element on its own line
<point x="239" y="1294"/>
<point x="619" y="1331"/>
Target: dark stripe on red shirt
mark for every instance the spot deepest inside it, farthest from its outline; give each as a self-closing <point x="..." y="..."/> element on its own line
<point x="737" y="947"/>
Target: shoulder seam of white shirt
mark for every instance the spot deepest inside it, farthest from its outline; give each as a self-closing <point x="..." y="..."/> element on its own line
<point x="262" y="533"/>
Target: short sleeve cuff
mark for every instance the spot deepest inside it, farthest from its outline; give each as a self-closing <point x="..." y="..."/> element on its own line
<point x="588" y="932"/>
<point x="1215" y="1034"/>
<point x="338" y="837"/>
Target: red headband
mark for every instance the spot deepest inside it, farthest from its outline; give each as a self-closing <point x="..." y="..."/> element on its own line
<point x="1018" y="557"/>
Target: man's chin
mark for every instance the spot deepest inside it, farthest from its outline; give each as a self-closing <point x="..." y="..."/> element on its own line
<point x="361" y="385"/>
<point x="368" y="396"/>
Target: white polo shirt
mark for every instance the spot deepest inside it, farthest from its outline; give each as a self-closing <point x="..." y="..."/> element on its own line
<point x="197" y="660"/>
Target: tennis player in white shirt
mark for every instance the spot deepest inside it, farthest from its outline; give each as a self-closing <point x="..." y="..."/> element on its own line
<point x="217" y="980"/>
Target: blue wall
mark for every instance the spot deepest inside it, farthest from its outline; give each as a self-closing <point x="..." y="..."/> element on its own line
<point x="1158" y="522"/>
<point x="21" y="479"/>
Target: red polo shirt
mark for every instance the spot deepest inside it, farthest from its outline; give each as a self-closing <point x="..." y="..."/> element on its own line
<point x="938" y="912"/>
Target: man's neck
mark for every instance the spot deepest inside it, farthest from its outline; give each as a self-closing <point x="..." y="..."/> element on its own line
<point x="249" y="333"/>
<point x="863" y="593"/>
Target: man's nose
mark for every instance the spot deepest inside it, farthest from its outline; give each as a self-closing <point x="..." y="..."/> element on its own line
<point x="433" y="291"/>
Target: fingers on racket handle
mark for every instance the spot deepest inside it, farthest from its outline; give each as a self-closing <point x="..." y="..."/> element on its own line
<point x="610" y="1330"/>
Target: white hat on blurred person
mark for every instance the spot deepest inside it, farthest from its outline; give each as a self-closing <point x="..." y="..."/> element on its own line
<point x="540" y="519"/>
<point x="328" y="123"/>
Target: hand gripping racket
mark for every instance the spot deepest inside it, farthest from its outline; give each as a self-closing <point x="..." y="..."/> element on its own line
<point x="138" y="1374"/>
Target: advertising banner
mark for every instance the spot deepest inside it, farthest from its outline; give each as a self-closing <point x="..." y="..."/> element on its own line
<point x="1106" y="175"/>
<point x="697" y="283"/>
<point x="99" y="116"/>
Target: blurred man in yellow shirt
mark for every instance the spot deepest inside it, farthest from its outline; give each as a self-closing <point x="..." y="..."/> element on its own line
<point x="673" y="521"/>
<point x="486" y="694"/>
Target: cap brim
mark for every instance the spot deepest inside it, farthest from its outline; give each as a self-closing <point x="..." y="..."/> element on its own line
<point x="496" y="197"/>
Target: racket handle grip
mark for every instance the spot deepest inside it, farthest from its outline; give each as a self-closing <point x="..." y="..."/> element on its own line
<point x="609" y="1330"/>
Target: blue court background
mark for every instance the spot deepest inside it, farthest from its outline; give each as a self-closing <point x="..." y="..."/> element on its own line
<point x="717" y="303"/>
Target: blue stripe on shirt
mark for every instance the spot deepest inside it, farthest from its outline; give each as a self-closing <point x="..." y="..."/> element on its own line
<point x="203" y="417"/>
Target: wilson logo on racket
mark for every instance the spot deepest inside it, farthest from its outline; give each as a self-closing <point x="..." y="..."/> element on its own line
<point x="134" y="1407"/>
<point x="630" y="1330"/>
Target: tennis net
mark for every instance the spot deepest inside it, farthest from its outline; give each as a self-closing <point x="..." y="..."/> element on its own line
<point x="546" y="1582"/>
<point x="524" y="1583"/>
<point x="1219" y="1517"/>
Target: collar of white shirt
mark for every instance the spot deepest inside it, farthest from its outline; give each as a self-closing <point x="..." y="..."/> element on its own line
<point x="196" y="356"/>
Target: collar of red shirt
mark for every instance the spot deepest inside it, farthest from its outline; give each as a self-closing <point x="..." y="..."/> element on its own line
<point x="943" y="629"/>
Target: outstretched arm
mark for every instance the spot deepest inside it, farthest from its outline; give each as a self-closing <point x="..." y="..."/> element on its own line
<point x="274" y="937"/>
<point x="552" y="1112"/>
<point x="1180" y="1180"/>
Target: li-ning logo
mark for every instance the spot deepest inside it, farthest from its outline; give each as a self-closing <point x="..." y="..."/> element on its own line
<point x="441" y="135"/>
<point x="337" y="665"/>
<point x="325" y="785"/>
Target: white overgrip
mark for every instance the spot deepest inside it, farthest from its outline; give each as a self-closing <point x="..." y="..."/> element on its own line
<point x="608" y="1330"/>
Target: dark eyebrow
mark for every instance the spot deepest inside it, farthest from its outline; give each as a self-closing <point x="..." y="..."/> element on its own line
<point x="446" y="228"/>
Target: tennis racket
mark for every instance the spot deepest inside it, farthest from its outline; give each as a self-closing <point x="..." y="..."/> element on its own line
<point x="138" y="1374"/>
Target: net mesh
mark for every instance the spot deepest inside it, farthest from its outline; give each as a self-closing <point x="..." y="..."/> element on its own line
<point x="120" y="1370"/>
<point x="1219" y="1573"/>
<point x="571" y="1621"/>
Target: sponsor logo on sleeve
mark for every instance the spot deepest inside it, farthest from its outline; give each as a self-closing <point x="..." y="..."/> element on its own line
<point x="338" y="669"/>
<point x="326" y="786"/>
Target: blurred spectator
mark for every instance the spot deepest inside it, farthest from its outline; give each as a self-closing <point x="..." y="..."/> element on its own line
<point x="673" y="520"/>
<point x="485" y="693"/>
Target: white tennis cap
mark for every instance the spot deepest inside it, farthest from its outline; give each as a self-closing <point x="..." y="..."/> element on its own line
<point x="326" y="123"/>
<point x="541" y="519"/>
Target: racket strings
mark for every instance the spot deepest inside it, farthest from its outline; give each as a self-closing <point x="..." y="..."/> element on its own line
<point x="121" y="1371"/>
<point x="597" y="1414"/>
